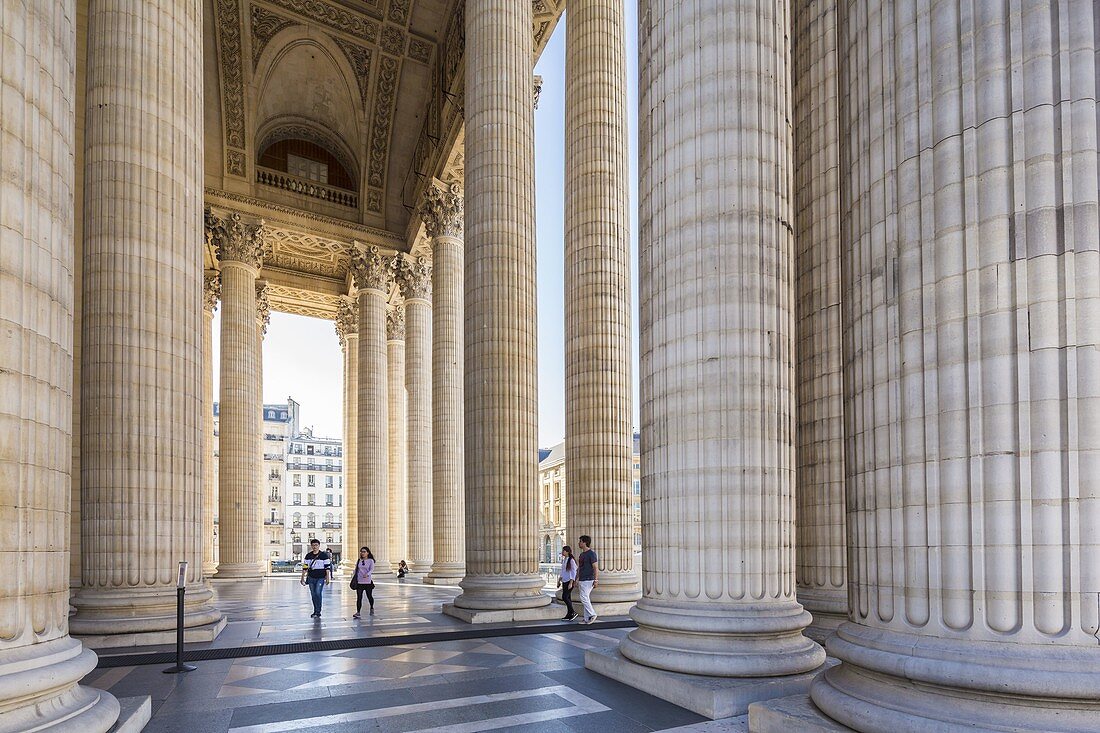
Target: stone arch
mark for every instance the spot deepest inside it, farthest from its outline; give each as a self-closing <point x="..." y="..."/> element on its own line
<point x="294" y="127"/>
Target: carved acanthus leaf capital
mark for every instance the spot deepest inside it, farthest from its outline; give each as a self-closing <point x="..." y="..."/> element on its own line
<point x="211" y="290"/>
<point x="235" y="239"/>
<point x="441" y="210"/>
<point x="263" y="307"/>
<point x="347" y="318"/>
<point x="414" y="276"/>
<point x="371" y="269"/>
<point x="395" y="323"/>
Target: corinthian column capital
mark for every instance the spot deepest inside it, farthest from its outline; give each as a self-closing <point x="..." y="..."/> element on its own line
<point x="414" y="277"/>
<point x="263" y="307"/>
<point x="211" y="290"/>
<point x="347" y="318"/>
<point x="395" y="323"/>
<point x="371" y="268"/>
<point x="236" y="240"/>
<point x="441" y="210"/>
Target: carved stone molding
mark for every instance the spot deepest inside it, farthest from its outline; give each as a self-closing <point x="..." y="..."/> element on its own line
<point x="441" y="210"/>
<point x="347" y="318"/>
<point x="360" y="59"/>
<point x="236" y="240"/>
<point x="385" y="103"/>
<point x="227" y="16"/>
<point x="414" y="277"/>
<point x="265" y="25"/>
<point x="211" y="290"/>
<point x="395" y="322"/>
<point x="263" y="307"/>
<point x="371" y="268"/>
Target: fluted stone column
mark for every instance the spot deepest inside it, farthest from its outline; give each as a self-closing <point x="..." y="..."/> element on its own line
<point x="141" y="357"/>
<point x="972" y="260"/>
<point x="397" y="436"/>
<point x="821" y="560"/>
<point x="717" y="366"/>
<point x="263" y="319"/>
<point x="40" y="664"/>
<point x="599" y="439"/>
<point x="415" y="281"/>
<point x="347" y="329"/>
<point x="442" y="216"/>
<point x="373" y="276"/>
<point x="212" y="286"/>
<point x="240" y="504"/>
<point x="500" y="375"/>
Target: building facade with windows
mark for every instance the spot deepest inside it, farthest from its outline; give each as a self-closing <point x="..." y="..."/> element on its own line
<point x="314" y="494"/>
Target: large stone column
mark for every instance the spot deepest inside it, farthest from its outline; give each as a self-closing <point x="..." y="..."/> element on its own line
<point x="240" y="502"/>
<point x="398" y="430"/>
<point x="373" y="274"/>
<point x="442" y="215"/>
<point x="141" y="357"/>
<point x="822" y="564"/>
<point x="347" y="329"/>
<point x="40" y="664"/>
<point x="599" y="438"/>
<point x="212" y="286"/>
<point x="263" y="320"/>
<point x="415" y="281"/>
<point x="717" y="366"/>
<point x="972" y="354"/>
<point x="500" y="376"/>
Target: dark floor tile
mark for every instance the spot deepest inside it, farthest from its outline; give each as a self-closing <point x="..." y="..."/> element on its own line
<point x="632" y="703"/>
<point x="192" y="722"/>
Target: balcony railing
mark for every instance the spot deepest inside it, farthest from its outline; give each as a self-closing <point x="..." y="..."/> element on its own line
<point x="305" y="187"/>
<point x="330" y="525"/>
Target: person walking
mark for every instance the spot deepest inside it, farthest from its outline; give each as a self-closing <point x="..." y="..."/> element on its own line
<point x="362" y="580"/>
<point x="588" y="575"/>
<point x="316" y="573"/>
<point x="566" y="580"/>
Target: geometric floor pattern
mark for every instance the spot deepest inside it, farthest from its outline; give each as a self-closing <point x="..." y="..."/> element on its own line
<point x="534" y="683"/>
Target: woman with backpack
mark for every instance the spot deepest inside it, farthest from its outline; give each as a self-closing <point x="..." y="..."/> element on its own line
<point x="566" y="581"/>
<point x="362" y="580"/>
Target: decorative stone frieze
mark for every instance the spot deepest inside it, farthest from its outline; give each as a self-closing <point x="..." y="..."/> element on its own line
<point x="442" y="210"/>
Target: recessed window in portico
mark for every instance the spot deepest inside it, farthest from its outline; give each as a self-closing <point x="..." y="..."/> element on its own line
<point x="307" y="160"/>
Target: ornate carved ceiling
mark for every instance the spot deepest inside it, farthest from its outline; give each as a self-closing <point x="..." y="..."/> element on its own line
<point x="390" y="109"/>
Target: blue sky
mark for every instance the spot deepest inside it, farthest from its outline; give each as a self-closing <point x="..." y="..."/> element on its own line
<point x="302" y="357"/>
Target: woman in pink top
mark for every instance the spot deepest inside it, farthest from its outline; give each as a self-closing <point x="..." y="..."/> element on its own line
<point x="364" y="580"/>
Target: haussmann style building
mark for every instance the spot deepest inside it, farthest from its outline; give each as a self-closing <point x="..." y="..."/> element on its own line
<point x="869" y="326"/>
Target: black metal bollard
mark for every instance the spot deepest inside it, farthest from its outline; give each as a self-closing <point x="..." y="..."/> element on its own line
<point x="181" y="588"/>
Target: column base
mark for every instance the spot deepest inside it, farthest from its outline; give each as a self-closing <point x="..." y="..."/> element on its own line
<point x="39" y="690"/>
<point x="548" y="612"/>
<point x="617" y="588"/>
<point x="239" y="571"/>
<point x="446" y="573"/>
<point x="711" y="697"/>
<point x="501" y="593"/>
<point x="761" y="639"/>
<point x="794" y="713"/>
<point x="208" y="569"/>
<point x="191" y="635"/>
<point x="134" y="714"/>
<point x="910" y="683"/>
<point x="123" y="617"/>
<point x="829" y="608"/>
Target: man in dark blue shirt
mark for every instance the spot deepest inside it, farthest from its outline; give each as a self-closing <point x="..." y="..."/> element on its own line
<point x="588" y="575"/>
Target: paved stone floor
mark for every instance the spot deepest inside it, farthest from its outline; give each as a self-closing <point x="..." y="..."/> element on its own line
<point x="535" y="683"/>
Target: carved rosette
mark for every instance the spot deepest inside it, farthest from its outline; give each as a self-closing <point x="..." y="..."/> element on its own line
<point x="211" y="290"/>
<point x="347" y="319"/>
<point x="236" y="240"/>
<point x="441" y="210"/>
<point x="414" y="277"/>
<point x="263" y="307"/>
<point x="371" y="269"/>
<point x="395" y="322"/>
